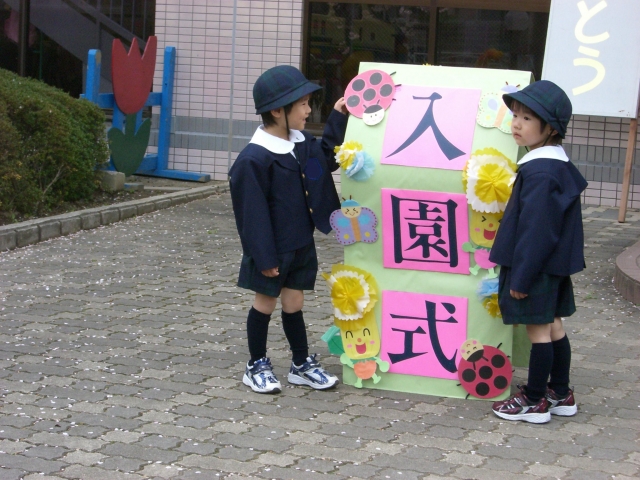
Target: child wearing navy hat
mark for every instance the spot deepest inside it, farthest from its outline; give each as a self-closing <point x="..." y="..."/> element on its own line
<point x="282" y="190"/>
<point x="539" y="244"/>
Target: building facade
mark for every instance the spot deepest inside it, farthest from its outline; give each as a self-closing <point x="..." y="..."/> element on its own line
<point x="223" y="46"/>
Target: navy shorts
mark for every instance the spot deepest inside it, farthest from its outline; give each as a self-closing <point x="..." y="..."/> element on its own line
<point x="550" y="296"/>
<point x="298" y="270"/>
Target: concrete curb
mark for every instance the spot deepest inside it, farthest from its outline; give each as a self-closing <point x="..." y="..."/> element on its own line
<point x="627" y="276"/>
<point x="31" y="232"/>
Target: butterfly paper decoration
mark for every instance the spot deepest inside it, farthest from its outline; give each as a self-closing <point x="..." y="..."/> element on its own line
<point x="354" y="223"/>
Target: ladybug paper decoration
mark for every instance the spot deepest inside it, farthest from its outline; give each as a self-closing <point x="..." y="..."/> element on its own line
<point x="484" y="371"/>
<point x="369" y="94"/>
<point x="353" y="223"/>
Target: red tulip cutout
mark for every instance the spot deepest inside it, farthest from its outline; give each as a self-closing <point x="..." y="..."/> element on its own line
<point x="132" y="74"/>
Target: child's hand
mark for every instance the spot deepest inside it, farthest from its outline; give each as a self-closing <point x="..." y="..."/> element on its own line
<point x="272" y="272"/>
<point x="518" y="295"/>
<point x="341" y="106"/>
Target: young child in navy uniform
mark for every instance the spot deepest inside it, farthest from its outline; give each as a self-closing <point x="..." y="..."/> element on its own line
<point x="281" y="190"/>
<point x="539" y="244"/>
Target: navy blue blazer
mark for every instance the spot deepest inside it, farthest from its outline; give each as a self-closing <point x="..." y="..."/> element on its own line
<point x="541" y="231"/>
<point x="279" y="199"/>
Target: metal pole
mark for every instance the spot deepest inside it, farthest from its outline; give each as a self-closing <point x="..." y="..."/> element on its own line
<point x="233" y="60"/>
<point x="433" y="26"/>
<point x="23" y="37"/>
<point x="628" y="164"/>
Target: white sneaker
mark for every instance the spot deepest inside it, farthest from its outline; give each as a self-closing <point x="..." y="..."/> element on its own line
<point x="312" y="374"/>
<point x="260" y="377"/>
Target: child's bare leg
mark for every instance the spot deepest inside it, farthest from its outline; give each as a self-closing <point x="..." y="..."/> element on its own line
<point x="264" y="303"/>
<point x="292" y="300"/>
<point x="557" y="329"/>
<point x="293" y="324"/>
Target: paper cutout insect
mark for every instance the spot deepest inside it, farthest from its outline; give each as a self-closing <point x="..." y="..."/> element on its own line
<point x="492" y="111"/>
<point x="353" y="223"/>
<point x="484" y="371"/>
<point x="369" y="94"/>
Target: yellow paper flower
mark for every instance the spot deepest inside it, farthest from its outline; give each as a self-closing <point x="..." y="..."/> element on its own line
<point x="491" y="305"/>
<point x="489" y="180"/>
<point x="353" y="292"/>
<point x="346" y="153"/>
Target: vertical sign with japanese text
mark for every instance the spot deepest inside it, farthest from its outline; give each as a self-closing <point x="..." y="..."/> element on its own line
<point x="427" y="280"/>
<point x="593" y="53"/>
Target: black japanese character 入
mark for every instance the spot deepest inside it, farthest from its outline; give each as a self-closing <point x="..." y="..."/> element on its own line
<point x="428" y="120"/>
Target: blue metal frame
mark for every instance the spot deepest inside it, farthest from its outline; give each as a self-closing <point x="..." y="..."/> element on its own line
<point x="155" y="165"/>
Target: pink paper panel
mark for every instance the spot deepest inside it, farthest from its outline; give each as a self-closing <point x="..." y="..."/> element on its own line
<point x="431" y="127"/>
<point x="425" y="230"/>
<point x="422" y="333"/>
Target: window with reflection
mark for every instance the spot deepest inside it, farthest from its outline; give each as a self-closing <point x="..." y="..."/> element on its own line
<point x="339" y="36"/>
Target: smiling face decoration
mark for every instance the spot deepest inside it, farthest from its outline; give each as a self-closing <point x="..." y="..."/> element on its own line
<point x="360" y="338"/>
<point x="373" y="115"/>
<point x="483" y="227"/>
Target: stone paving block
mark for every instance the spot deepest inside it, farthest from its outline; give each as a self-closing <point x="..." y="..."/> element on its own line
<point x="146" y="207"/>
<point x="220" y="465"/>
<point x="19" y="462"/>
<point x="179" y="199"/>
<point x="49" y="229"/>
<point x="109" y="215"/>
<point x="162" y="203"/>
<point x="27" y="235"/>
<point x="7" y="239"/>
<point x="90" y="219"/>
<point x="297" y="473"/>
<point x="127" y="211"/>
<point x="13" y="474"/>
<point x="95" y="473"/>
<point x="128" y="465"/>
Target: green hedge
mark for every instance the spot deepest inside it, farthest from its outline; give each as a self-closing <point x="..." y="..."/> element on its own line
<point x="50" y="146"/>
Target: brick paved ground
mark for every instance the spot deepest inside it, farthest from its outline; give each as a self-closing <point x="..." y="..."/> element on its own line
<point x="122" y="350"/>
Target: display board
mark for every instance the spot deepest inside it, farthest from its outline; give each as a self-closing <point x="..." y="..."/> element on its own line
<point x="593" y="53"/>
<point x="426" y="176"/>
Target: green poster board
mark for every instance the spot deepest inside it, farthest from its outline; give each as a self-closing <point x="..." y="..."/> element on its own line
<point x="418" y="171"/>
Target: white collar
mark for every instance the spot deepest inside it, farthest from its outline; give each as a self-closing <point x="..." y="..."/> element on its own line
<point x="275" y="144"/>
<point x="554" y="152"/>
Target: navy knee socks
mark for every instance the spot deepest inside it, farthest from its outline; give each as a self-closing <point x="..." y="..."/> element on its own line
<point x="257" y="331"/>
<point x="540" y="363"/>
<point x="559" y="381"/>
<point x="296" y="333"/>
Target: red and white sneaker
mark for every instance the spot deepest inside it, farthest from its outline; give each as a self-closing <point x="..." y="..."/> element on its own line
<point x="563" y="406"/>
<point x="519" y="407"/>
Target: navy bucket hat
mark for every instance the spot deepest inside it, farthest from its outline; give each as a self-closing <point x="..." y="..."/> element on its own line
<point x="547" y="100"/>
<point x="279" y="86"/>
